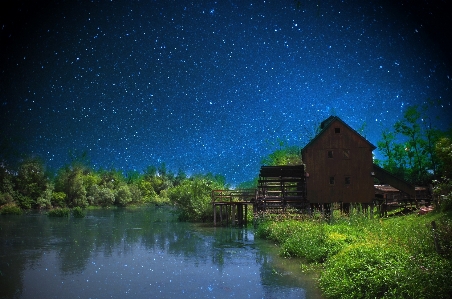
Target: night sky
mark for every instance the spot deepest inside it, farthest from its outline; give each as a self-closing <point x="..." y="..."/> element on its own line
<point x="211" y="86"/>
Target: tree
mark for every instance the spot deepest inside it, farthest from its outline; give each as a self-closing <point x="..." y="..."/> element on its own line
<point x="193" y="197"/>
<point x="410" y="148"/>
<point x="284" y="155"/>
<point x="443" y="149"/>
<point x="31" y="182"/>
<point x="123" y="195"/>
<point x="6" y="185"/>
<point x="70" y="181"/>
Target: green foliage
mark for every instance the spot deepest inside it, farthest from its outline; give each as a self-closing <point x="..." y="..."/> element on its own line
<point x="123" y="195"/>
<point x="31" y="182"/>
<point x="101" y="195"/>
<point x="45" y="200"/>
<point x="147" y="191"/>
<point x="58" y="199"/>
<point x="10" y="209"/>
<point x="193" y="197"/>
<point x="70" y="181"/>
<point x="371" y="258"/>
<point x="78" y="212"/>
<point x="442" y="191"/>
<point x="385" y="270"/>
<point x="284" y="155"/>
<point x="409" y="147"/>
<point x="59" y="212"/>
<point x="443" y="150"/>
<point x="6" y="198"/>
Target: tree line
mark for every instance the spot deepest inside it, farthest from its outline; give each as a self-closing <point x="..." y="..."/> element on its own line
<point x="79" y="185"/>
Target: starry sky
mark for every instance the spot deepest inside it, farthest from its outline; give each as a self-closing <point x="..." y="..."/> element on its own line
<point x="212" y="86"/>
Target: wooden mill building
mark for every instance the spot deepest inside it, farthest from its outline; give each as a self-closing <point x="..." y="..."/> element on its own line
<point x="338" y="164"/>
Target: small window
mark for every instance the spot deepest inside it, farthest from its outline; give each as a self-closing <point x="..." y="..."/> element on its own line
<point x="346" y="153"/>
<point x="330" y="154"/>
<point x="347" y="180"/>
<point x="337" y="130"/>
<point x="331" y="180"/>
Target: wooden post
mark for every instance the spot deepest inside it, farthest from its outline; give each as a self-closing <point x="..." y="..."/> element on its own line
<point x="214" y="215"/>
<point x="233" y="213"/>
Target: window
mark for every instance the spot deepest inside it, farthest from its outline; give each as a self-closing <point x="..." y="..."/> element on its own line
<point x="337" y="130"/>
<point x="331" y="180"/>
<point x="330" y="154"/>
<point x="346" y="153"/>
<point x="347" y="180"/>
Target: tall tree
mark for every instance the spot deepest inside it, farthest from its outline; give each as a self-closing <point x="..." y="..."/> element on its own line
<point x="410" y="148"/>
<point x="31" y="181"/>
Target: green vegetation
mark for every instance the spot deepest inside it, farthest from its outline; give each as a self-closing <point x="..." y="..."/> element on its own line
<point x="77" y="186"/>
<point x="78" y="212"/>
<point x="10" y="209"/>
<point x="371" y="258"/>
<point x="59" y="212"/>
<point x="414" y="149"/>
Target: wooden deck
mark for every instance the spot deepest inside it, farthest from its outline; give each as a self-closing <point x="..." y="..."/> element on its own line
<point x="232" y="205"/>
<point x="279" y="187"/>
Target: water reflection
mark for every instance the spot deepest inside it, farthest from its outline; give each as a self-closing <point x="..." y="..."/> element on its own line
<point x="137" y="253"/>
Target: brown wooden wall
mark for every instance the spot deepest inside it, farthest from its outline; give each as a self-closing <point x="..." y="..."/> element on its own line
<point x="350" y="165"/>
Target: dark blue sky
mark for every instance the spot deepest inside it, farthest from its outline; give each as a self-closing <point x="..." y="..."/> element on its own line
<point x="208" y="86"/>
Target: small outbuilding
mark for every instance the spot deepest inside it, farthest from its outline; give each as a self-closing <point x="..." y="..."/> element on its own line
<point x="339" y="165"/>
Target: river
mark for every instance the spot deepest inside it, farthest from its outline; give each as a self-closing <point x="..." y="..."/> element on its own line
<point x="140" y="253"/>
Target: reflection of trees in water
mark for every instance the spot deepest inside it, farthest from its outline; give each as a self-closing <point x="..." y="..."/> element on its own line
<point x="78" y="241"/>
<point x="18" y="234"/>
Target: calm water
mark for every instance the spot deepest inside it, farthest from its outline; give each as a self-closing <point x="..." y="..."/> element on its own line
<point x="141" y="253"/>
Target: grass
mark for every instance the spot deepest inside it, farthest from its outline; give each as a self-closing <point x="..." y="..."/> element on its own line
<point x="371" y="258"/>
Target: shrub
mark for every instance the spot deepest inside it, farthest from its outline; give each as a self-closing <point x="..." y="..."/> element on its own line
<point x="78" y="212"/>
<point x="59" y="212"/>
<point x="11" y="209"/>
<point x="123" y="195"/>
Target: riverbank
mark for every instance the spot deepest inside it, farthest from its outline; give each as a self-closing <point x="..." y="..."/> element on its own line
<point x="358" y="257"/>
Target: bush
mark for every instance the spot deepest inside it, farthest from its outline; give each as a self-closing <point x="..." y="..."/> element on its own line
<point x="11" y="209"/>
<point x="78" y="212"/>
<point x="192" y="198"/>
<point x="59" y="212"/>
<point x="6" y="198"/>
<point x="123" y="195"/>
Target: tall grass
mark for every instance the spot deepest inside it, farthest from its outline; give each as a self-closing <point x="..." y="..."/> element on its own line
<point x="371" y="258"/>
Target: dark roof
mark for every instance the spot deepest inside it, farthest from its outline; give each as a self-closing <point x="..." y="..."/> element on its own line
<point x="324" y="125"/>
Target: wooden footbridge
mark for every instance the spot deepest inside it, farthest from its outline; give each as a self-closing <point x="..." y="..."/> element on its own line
<point x="279" y="187"/>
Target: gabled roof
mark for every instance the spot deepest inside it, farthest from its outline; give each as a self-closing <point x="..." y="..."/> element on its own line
<point x="324" y="125"/>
